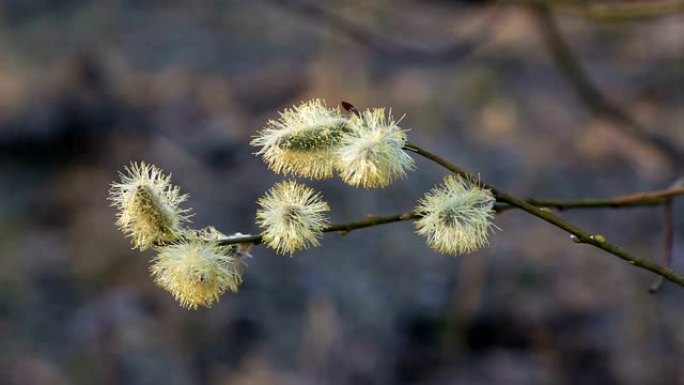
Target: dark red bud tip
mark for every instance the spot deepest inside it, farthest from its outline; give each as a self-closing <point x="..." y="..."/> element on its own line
<point x="348" y="106"/>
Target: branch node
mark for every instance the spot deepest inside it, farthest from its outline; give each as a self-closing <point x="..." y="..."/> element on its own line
<point x="598" y="238"/>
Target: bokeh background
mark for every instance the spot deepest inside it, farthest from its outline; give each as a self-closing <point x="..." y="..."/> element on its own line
<point x="567" y="100"/>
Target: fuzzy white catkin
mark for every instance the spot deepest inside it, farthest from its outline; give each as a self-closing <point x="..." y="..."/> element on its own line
<point x="197" y="271"/>
<point x="292" y="217"/>
<point x="148" y="206"/>
<point x="371" y="153"/>
<point x="456" y="216"/>
<point x="302" y="141"/>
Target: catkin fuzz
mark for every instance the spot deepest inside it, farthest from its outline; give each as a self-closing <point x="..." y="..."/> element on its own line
<point x="197" y="271"/>
<point x="371" y="153"/>
<point x="148" y="206"/>
<point x="292" y="217"/>
<point x="302" y="141"/>
<point x="456" y="216"/>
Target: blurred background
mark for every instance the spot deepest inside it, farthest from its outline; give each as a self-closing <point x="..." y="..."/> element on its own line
<point x="553" y="100"/>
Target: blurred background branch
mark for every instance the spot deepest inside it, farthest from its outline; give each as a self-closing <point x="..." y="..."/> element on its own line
<point x="590" y="95"/>
<point x="615" y="10"/>
<point x="390" y="48"/>
<point x="668" y="235"/>
<point x="668" y="243"/>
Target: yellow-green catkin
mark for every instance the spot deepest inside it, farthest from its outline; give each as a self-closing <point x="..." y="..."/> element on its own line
<point x="371" y="152"/>
<point x="302" y="141"/>
<point x="148" y="206"/>
<point x="292" y="217"/>
<point x="456" y="216"/>
<point x="197" y="271"/>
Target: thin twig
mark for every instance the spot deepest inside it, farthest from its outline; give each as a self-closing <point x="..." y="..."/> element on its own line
<point x="578" y="234"/>
<point x="342" y="228"/>
<point x="668" y="243"/>
<point x="652" y="198"/>
<point x="623" y="201"/>
<point x="590" y="95"/>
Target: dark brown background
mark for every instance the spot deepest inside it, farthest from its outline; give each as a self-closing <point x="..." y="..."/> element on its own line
<point x="86" y="87"/>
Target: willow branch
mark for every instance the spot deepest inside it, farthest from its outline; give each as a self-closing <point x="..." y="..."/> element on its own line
<point x="579" y="235"/>
<point x="590" y="95"/>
